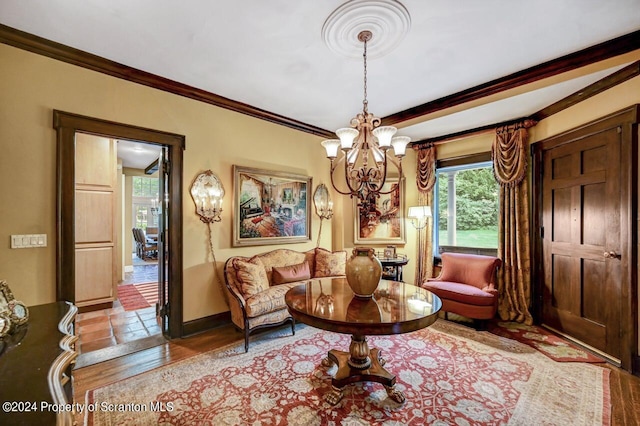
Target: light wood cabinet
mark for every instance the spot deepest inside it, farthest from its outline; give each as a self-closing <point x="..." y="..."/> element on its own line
<point x="95" y="203"/>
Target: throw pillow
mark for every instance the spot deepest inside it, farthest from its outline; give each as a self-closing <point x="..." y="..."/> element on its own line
<point x="292" y="273"/>
<point x="310" y="258"/>
<point x="251" y="275"/>
<point x="330" y="264"/>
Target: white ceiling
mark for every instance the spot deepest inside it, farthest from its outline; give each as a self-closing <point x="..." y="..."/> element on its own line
<point x="137" y="155"/>
<point x="271" y="55"/>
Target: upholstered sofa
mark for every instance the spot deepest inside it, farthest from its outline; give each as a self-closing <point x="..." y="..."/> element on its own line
<point x="256" y="286"/>
<point x="467" y="285"/>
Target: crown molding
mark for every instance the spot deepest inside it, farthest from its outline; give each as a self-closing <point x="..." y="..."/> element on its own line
<point x="618" y="46"/>
<point x="609" y="49"/>
<point x="70" y="55"/>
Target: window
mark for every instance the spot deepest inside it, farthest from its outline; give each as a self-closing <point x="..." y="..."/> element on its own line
<point x="145" y="187"/>
<point x="466" y="217"/>
<point x="145" y="201"/>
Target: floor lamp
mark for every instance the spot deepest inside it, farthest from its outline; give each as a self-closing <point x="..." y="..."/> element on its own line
<point x="419" y="216"/>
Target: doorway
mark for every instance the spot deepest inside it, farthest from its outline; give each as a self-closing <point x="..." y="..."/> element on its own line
<point x="585" y="255"/>
<point x="68" y="126"/>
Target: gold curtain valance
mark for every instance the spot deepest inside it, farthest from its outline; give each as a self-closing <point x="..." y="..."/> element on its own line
<point x="426" y="173"/>
<point x="509" y="153"/>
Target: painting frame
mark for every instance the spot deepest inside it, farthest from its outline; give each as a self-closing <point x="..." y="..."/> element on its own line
<point x="391" y="209"/>
<point x="270" y="207"/>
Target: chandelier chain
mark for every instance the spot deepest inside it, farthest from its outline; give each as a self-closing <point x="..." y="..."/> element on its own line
<point x="364" y="55"/>
<point x="365" y="153"/>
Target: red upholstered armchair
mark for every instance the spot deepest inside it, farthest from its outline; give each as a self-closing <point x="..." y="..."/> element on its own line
<point x="466" y="285"/>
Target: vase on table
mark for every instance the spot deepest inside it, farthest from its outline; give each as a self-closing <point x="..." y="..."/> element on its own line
<point x="363" y="272"/>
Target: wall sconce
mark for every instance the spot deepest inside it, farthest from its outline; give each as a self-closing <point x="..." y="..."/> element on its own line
<point x="207" y="193"/>
<point x="322" y="202"/>
<point x="323" y="205"/>
<point x="419" y="216"/>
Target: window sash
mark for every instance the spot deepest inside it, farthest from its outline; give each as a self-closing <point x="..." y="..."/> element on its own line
<point x="436" y="211"/>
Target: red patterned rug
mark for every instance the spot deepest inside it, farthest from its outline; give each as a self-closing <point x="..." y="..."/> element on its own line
<point x="137" y="296"/>
<point x="149" y="291"/>
<point x="550" y="344"/>
<point x="450" y="374"/>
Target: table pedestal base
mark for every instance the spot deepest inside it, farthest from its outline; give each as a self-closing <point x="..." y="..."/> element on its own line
<point x="360" y="364"/>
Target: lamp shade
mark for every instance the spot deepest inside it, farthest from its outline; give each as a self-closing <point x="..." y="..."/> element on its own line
<point x="419" y="212"/>
<point x="347" y="135"/>
<point x="331" y="146"/>
<point x="384" y="134"/>
<point x="399" y="144"/>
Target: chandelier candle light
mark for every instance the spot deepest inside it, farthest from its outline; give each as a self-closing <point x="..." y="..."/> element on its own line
<point x="365" y="145"/>
<point x="207" y="193"/>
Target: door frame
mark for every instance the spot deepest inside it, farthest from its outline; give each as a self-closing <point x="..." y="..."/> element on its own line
<point x="66" y="125"/>
<point x="627" y="121"/>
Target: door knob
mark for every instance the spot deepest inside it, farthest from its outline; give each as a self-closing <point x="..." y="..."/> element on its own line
<point x="611" y="255"/>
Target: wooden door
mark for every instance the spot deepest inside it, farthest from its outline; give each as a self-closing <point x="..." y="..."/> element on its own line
<point x="581" y="234"/>
<point x="164" y="255"/>
<point x="95" y="233"/>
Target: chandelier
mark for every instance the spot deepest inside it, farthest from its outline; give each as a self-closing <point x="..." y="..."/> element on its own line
<point x="365" y="147"/>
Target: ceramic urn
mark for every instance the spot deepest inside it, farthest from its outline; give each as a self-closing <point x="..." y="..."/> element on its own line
<point x="363" y="272"/>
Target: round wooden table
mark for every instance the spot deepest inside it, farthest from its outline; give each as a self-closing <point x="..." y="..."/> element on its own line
<point x="396" y="308"/>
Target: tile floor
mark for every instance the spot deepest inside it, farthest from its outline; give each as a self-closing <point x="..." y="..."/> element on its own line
<point x="146" y="273"/>
<point x="109" y="327"/>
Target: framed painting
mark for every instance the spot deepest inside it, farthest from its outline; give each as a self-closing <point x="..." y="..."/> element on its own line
<point x="384" y="222"/>
<point x="270" y="207"/>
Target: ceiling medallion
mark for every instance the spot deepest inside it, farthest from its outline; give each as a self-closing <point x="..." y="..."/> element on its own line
<point x="389" y="20"/>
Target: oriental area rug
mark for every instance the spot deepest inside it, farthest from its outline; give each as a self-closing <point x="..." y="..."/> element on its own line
<point x="450" y="374"/>
<point x="553" y="346"/>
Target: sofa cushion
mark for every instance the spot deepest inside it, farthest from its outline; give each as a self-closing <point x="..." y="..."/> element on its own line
<point x="461" y="292"/>
<point x="310" y="258"/>
<point x="288" y="274"/>
<point x="330" y="264"/>
<point x="272" y="299"/>
<point x="251" y="276"/>
<point x="279" y="258"/>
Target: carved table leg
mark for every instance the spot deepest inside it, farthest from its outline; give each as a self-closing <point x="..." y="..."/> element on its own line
<point x="395" y="394"/>
<point x="334" y="395"/>
<point x="326" y="362"/>
<point x="381" y="360"/>
<point x="359" y="353"/>
<point x="360" y="364"/>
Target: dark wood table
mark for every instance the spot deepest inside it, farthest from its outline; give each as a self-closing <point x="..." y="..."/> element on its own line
<point x="392" y="267"/>
<point x="396" y="308"/>
<point x="32" y="362"/>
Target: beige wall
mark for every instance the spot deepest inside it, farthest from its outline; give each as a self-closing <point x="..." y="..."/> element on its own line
<point x="32" y="86"/>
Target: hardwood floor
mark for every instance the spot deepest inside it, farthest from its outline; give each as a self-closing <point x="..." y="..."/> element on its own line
<point x="625" y="388"/>
<point x="625" y="397"/>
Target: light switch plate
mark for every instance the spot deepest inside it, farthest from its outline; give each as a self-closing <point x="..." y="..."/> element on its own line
<point x="28" y="240"/>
